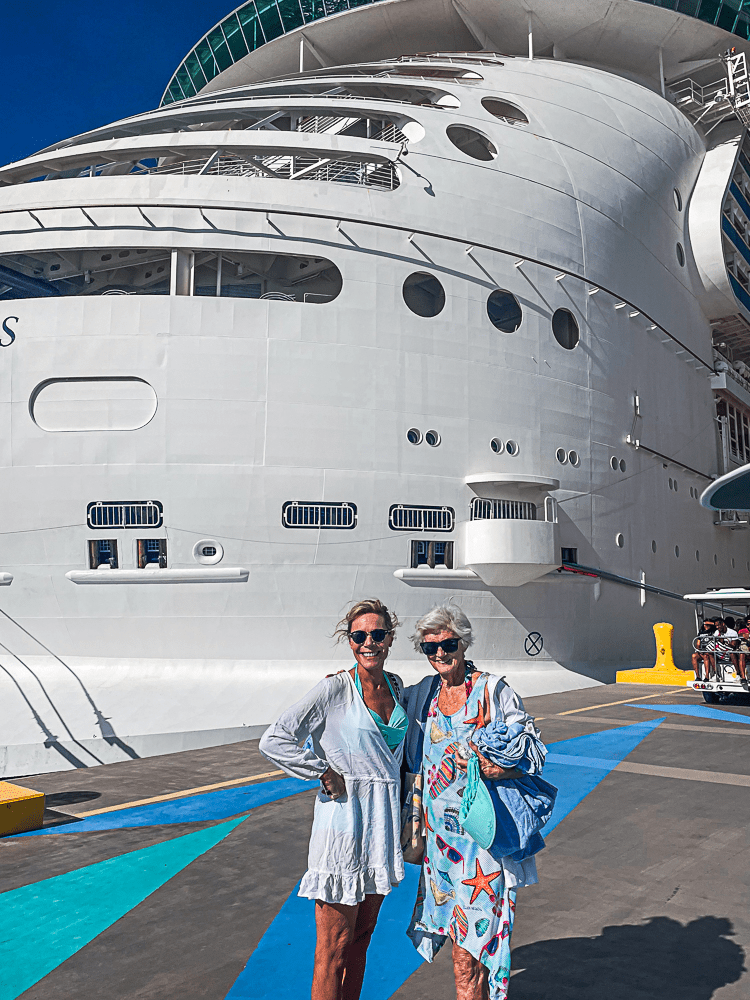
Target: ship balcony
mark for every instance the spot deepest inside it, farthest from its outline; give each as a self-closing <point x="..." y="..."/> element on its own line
<point x="512" y="539"/>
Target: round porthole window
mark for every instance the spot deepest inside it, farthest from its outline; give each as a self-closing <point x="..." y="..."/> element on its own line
<point x="512" y="447"/>
<point x="677" y="199"/>
<point x="505" y="111"/>
<point x="424" y="294"/>
<point x="565" y="329"/>
<point x="414" y="435"/>
<point x="471" y="142"/>
<point x="208" y="552"/>
<point x="732" y="563"/>
<point x="561" y="455"/>
<point x="613" y="463"/>
<point x="620" y="539"/>
<point x="697" y="556"/>
<point x="504" y="311"/>
<point x="677" y="551"/>
<point x="671" y="485"/>
<point x="653" y="546"/>
<point x="623" y="466"/>
<point x="497" y="446"/>
<point x="680" y="255"/>
<point x="716" y="560"/>
<point x="432" y="438"/>
<point x="573" y="457"/>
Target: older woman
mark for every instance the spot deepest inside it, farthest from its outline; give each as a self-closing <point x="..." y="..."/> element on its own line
<point x="463" y="892"/>
<point x="349" y="732"/>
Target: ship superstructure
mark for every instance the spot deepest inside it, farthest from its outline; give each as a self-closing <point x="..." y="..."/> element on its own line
<point x="418" y="300"/>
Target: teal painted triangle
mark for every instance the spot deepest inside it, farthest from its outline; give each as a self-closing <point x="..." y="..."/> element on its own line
<point x="578" y="765"/>
<point x="43" y="924"/>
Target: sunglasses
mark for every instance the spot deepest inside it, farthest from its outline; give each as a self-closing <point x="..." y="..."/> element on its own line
<point x="447" y="645"/>
<point x="450" y="852"/>
<point x="378" y="635"/>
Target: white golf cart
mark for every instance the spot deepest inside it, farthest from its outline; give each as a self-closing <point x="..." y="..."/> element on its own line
<point x="732" y="601"/>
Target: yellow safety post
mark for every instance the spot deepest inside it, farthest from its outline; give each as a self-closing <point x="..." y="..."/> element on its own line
<point x="21" y="809"/>
<point x="664" y="670"/>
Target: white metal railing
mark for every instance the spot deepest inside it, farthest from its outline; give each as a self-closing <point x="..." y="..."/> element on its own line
<point x="117" y="514"/>
<point x="415" y="517"/>
<point x="298" y="514"/>
<point x="521" y="510"/>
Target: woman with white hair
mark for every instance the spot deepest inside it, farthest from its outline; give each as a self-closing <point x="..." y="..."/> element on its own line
<point x="464" y="892"/>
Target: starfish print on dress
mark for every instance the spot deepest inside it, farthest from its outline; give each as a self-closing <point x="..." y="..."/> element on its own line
<point x="483" y="715"/>
<point x="481" y="882"/>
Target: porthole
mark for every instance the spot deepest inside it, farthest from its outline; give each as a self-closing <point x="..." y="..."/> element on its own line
<point x="697" y="556"/>
<point x="620" y="540"/>
<point x="106" y="256"/>
<point x="565" y="328"/>
<point x="653" y="546"/>
<point x="623" y="466"/>
<point x="432" y="438"/>
<point x="497" y="446"/>
<point x="561" y="455"/>
<point x="716" y="560"/>
<point x="471" y="142"/>
<point x="677" y="551"/>
<point x="671" y="484"/>
<point x="414" y="435"/>
<point x="424" y="294"/>
<point x="613" y="463"/>
<point x="124" y="253"/>
<point x="505" y="111"/>
<point x="504" y="311"/>
<point x="732" y="563"/>
<point x="573" y="457"/>
<point x="677" y="199"/>
<point x="208" y="552"/>
<point x="675" y="485"/>
<point x="512" y="447"/>
<point x="680" y="255"/>
<point x="54" y="267"/>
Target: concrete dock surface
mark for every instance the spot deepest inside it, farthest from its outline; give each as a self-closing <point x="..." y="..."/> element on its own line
<point x="174" y="877"/>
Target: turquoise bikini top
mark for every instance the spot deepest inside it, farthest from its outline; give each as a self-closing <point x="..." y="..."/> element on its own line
<point x="394" y="731"/>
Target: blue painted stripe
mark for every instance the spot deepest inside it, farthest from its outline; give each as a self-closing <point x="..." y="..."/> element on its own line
<point x="745" y="163"/>
<point x="739" y="292"/>
<point x="740" y="198"/>
<point x="699" y="711"/>
<point x="43" y="924"/>
<point x="576" y="766"/>
<point x="196" y="809"/>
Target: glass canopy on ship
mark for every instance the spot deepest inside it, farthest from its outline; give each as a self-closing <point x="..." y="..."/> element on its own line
<point x="259" y="21"/>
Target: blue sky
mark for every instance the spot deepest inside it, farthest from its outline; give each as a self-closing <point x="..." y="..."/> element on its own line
<point x="68" y="66"/>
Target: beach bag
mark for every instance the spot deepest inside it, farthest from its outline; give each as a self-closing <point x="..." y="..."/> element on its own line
<point x="413" y="841"/>
<point x="504" y="817"/>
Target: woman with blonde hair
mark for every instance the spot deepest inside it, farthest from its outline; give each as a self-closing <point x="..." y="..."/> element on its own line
<point x="348" y="732"/>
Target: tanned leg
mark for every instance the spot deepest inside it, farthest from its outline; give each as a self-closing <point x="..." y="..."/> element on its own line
<point x="335" y="925"/>
<point x="471" y="976"/>
<point x="356" y="954"/>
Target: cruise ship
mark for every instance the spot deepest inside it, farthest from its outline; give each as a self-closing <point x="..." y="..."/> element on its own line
<point x="416" y="299"/>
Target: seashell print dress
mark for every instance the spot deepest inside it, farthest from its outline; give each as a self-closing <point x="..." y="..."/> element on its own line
<point x="462" y="890"/>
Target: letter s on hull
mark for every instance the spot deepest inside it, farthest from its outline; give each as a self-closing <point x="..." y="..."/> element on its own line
<point x="7" y="329"/>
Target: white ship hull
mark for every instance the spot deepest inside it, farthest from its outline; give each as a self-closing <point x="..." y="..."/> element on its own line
<point x="238" y="406"/>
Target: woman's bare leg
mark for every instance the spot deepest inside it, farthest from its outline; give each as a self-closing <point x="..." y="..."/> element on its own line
<point x="343" y="936"/>
<point x="471" y="976"/>
<point x="356" y="955"/>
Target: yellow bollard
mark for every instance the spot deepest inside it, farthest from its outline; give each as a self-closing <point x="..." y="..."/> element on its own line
<point x="664" y="671"/>
<point x="21" y="809"/>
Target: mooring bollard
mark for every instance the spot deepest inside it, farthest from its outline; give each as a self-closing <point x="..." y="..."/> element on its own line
<point x="664" y="671"/>
<point x="663" y="633"/>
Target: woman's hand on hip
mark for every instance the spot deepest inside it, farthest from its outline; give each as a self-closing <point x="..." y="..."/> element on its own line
<point x="333" y="784"/>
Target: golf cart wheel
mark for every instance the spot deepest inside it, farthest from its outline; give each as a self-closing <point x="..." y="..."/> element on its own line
<point x="710" y="697"/>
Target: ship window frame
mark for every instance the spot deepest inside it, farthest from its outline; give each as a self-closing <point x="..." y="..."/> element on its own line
<point x="421" y="517"/>
<point x="424" y="282"/>
<point x="317" y="511"/>
<point x="428" y="548"/>
<point x="509" y="314"/>
<point x="568" y="336"/>
<point x="469" y="140"/>
<point x="128" y="517"/>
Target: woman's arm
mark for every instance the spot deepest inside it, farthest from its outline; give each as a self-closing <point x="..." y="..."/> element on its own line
<point x="282" y="741"/>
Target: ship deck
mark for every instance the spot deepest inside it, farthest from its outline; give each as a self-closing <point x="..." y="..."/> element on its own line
<point x="177" y="878"/>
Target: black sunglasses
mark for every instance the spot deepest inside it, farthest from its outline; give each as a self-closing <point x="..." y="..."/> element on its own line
<point x="448" y="646"/>
<point x="378" y="635"/>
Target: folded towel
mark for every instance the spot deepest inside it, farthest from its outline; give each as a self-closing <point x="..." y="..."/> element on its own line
<point x="511" y="746"/>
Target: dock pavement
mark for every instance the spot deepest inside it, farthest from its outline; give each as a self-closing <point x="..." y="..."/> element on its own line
<point x="174" y="877"/>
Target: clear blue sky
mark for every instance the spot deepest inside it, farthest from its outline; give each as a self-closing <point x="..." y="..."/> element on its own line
<point x="70" y="65"/>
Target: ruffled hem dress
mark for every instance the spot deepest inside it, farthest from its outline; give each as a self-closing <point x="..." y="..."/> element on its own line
<point x="354" y="844"/>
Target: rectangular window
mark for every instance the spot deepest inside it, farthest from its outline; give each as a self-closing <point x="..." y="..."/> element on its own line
<point x="194" y="69"/>
<point x="235" y="40"/>
<point x="431" y="553"/>
<point x="115" y="514"/>
<point x="219" y="48"/>
<point x="102" y="552"/>
<point x="569" y="555"/>
<point x="183" y="78"/>
<point x="152" y="552"/>
<point x="299" y="514"/>
<point x="291" y="14"/>
<point x="270" y="19"/>
<point x="206" y="59"/>
<point x="418" y="517"/>
<point x="251" y="27"/>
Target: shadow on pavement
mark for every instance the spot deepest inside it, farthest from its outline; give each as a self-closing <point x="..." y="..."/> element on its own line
<point x="661" y="958"/>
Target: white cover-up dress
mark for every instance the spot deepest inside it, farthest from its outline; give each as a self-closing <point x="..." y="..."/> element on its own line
<point x="354" y="844"/>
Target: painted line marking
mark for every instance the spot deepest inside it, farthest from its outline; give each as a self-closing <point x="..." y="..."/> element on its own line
<point x="609" y="704"/>
<point x="685" y="773"/>
<point x="176" y="795"/>
<point x="601" y="720"/>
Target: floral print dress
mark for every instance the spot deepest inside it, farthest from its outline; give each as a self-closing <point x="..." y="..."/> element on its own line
<point x="462" y="889"/>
